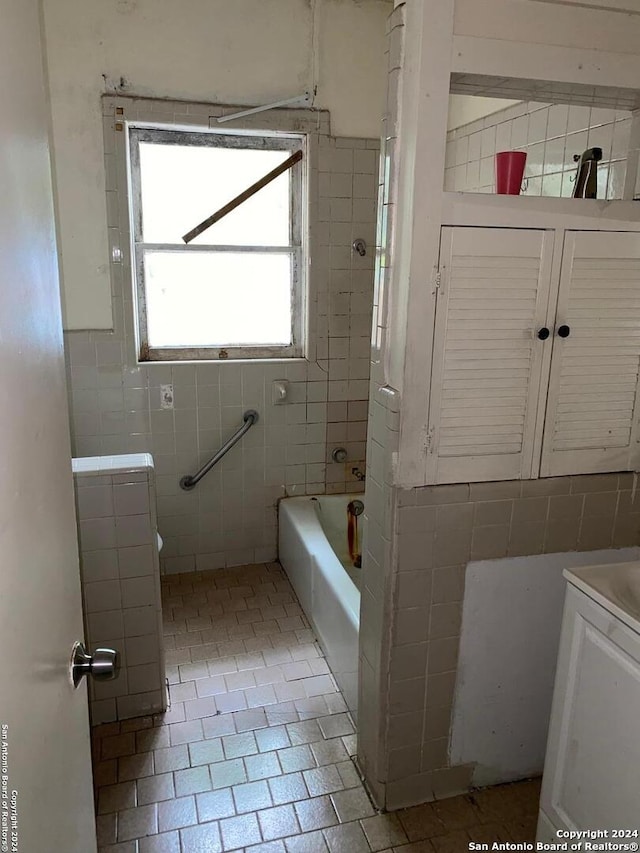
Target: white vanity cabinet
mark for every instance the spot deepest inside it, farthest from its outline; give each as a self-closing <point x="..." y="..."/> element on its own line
<point x="536" y="354"/>
<point x="592" y="768"/>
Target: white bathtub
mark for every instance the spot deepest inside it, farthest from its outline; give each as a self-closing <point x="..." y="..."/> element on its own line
<point x="308" y="528"/>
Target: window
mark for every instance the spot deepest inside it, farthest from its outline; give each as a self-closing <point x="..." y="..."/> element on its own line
<point x="235" y="289"/>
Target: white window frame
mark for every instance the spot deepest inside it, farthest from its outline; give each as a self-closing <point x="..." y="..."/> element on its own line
<point x="267" y="140"/>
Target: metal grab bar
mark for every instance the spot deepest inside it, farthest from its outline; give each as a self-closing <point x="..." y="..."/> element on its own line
<point x="189" y="482"/>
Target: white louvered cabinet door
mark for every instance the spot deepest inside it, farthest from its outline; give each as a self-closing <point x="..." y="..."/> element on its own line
<point x="488" y="362"/>
<point x="591" y="423"/>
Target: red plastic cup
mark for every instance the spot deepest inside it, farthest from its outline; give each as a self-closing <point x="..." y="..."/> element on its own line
<point x="510" y="171"/>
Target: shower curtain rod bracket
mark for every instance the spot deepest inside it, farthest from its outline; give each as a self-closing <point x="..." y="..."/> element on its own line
<point x="304" y="98"/>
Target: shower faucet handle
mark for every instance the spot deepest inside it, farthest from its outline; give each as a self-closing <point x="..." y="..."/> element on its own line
<point x="339" y="454"/>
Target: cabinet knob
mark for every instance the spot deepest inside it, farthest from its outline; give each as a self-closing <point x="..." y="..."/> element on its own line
<point x="564" y="331"/>
<point x="543" y="333"/>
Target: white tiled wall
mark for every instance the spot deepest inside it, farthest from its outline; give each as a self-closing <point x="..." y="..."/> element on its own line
<point x="230" y="518"/>
<point x="382" y="443"/>
<point x="550" y="134"/>
<point x="120" y="577"/>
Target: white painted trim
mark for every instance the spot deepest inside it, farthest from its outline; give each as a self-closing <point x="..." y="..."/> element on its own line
<point x="604" y="5"/>
<point x="531" y="61"/>
<point x="501" y="211"/>
<point x="425" y="106"/>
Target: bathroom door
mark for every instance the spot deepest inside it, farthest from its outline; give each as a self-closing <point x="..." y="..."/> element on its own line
<point x="45" y="761"/>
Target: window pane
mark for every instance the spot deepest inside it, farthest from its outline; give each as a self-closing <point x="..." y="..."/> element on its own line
<point x="197" y="299"/>
<point x="184" y="184"/>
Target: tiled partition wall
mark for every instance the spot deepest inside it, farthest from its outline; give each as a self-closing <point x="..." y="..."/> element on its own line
<point x="120" y="576"/>
<point x="382" y="443"/>
<point x="551" y="135"/>
<point x="439" y="529"/>
<point x="230" y="518"/>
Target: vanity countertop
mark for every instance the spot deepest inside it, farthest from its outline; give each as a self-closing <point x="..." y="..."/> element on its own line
<point x="615" y="586"/>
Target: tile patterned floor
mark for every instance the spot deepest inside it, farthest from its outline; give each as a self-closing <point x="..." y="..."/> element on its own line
<point x="255" y="752"/>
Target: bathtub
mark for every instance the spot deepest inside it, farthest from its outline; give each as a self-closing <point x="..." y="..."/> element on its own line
<point x="314" y="553"/>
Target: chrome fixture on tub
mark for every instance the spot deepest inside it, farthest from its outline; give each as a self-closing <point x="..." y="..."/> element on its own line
<point x="339" y="454"/>
<point x="360" y="247"/>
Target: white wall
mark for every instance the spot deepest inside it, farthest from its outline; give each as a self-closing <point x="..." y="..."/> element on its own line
<point x="510" y="632"/>
<point x="243" y="52"/>
<point x="464" y="109"/>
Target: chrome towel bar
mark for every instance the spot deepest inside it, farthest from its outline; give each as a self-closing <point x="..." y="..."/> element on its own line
<point x="189" y="482"/>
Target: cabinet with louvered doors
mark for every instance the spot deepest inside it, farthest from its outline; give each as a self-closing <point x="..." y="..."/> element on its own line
<point x="536" y="355"/>
<point x="591" y="422"/>
<point x="490" y="367"/>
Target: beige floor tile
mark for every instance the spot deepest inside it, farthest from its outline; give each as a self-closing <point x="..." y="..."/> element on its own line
<point x="278" y="822"/>
<point x="182" y="692"/>
<point x="262" y="766"/>
<point x="153" y="789"/>
<point x="187" y="732"/>
<point x="135" y="766"/>
<point x="456" y="813"/>
<point x="106" y="772"/>
<point x="453" y="842"/>
<point x="274" y="737"/>
<point x="348" y="774"/>
<point x="238" y="832"/>
<point x="523" y="829"/>
<point x="124" y="847"/>
<point x="488" y="833"/>
<point x="177" y="813"/>
<point x="259" y="697"/>
<point x="195" y="780"/>
<point x="346" y="838"/>
<point x="210" y="686"/>
<point x="114" y="798"/>
<point x="329" y="751"/>
<point x="416" y="847"/>
<point x="152" y="739"/>
<point x="224" y="774"/>
<point x="383" y="831"/>
<point x="137" y="822"/>
<point x="256" y="744"/>
<point x="168" y="842"/>
<point x="206" y="752"/>
<point x="204" y="838"/>
<point x="336" y="725"/>
<point x="196" y="709"/>
<point x="421" y="822"/>
<point x="296" y="758"/>
<point x="307" y="731"/>
<point x="353" y="804"/>
<point x="252" y="796"/>
<point x="215" y="727"/>
<point x="323" y="780"/>
<point x="118" y="745"/>
<point x="315" y="813"/>
<point x="287" y="788"/>
<point x="250" y="720"/>
<point x="106" y="826"/>
<point x="310" y="842"/>
<point x="228" y="702"/>
<point x="267" y="847"/>
<point x="236" y="746"/>
<point x="215" y="805"/>
<point x="171" y="758"/>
